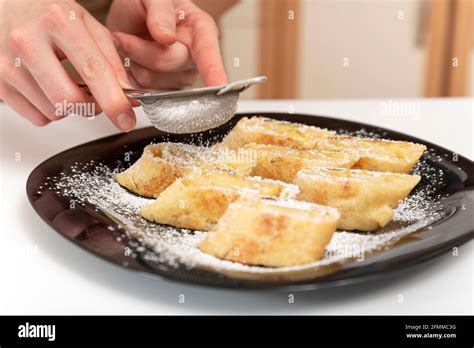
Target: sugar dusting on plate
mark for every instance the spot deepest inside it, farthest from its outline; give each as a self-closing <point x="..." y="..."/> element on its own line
<point x="94" y="183"/>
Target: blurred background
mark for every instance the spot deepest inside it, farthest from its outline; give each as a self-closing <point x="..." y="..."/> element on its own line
<point x="351" y="48"/>
<point x="344" y="48"/>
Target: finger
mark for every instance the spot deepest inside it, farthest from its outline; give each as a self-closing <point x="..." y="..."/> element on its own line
<point x="104" y="40"/>
<point x="161" y="20"/>
<point x="205" y="51"/>
<point x="154" y="56"/>
<point x="55" y="82"/>
<point x="170" y="80"/>
<point x="78" y="80"/>
<point x="80" y="48"/>
<point x="22" y="81"/>
<point x="22" y="106"/>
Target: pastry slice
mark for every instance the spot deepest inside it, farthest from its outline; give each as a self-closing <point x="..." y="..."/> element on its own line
<point x="262" y="130"/>
<point x="377" y="154"/>
<point x="282" y="163"/>
<point x="364" y="198"/>
<point x="198" y="200"/>
<point x="161" y="164"/>
<point x="273" y="233"/>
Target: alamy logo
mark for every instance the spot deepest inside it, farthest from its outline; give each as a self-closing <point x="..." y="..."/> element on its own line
<point x="37" y="331"/>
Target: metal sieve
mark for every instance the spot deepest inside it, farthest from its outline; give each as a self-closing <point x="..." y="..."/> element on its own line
<point x="191" y="110"/>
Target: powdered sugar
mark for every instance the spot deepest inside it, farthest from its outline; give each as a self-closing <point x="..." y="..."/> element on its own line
<point x="95" y="184"/>
<point x="190" y="114"/>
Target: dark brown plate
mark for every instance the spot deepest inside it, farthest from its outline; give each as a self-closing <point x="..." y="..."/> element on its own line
<point x="97" y="233"/>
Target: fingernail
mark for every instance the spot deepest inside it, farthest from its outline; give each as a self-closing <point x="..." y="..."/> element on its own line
<point x="125" y="122"/>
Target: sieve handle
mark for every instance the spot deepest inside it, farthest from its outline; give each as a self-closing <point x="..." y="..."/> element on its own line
<point x="129" y="92"/>
<point x="151" y="95"/>
<point x="242" y="85"/>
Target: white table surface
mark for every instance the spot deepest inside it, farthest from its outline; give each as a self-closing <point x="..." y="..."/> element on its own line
<point x="42" y="273"/>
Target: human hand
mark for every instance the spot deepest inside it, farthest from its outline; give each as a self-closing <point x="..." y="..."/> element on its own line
<point x="167" y="42"/>
<point x="35" y="36"/>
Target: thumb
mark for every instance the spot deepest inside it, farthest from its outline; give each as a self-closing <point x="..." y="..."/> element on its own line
<point x="161" y="20"/>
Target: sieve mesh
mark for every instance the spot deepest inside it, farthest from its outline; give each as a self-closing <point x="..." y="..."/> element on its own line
<point x="190" y="114"/>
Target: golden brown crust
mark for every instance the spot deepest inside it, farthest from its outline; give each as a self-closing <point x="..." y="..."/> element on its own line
<point x="365" y="199"/>
<point x="271" y="234"/>
<point x="198" y="200"/>
<point x="376" y="154"/>
<point x="161" y="164"/>
<point x="209" y="188"/>
<point x="262" y="130"/>
<point x="282" y="163"/>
